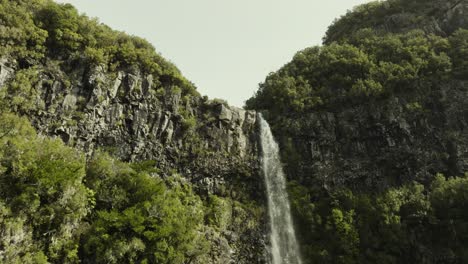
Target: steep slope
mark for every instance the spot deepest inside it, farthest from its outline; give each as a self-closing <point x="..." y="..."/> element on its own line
<point x="372" y="112"/>
<point x="99" y="89"/>
<point x="366" y="122"/>
<point x="441" y="17"/>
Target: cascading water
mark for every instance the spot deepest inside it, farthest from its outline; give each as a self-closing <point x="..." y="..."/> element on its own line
<point x="284" y="247"/>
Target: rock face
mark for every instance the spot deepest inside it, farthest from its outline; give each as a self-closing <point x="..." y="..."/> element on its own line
<point x="136" y="117"/>
<point x="444" y="17"/>
<point x="378" y="145"/>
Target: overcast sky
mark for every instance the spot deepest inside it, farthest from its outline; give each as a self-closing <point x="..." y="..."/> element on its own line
<point x="226" y="47"/>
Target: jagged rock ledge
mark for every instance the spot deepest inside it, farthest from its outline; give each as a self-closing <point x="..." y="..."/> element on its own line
<point x="137" y="116"/>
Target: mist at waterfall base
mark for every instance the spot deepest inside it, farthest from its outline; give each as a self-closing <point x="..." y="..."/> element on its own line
<point x="284" y="247"/>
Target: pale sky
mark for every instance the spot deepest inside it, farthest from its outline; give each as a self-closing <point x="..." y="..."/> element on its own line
<point x="225" y="47"/>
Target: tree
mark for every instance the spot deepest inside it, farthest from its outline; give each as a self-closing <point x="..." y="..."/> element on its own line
<point x="138" y="219"/>
<point x="41" y="191"/>
<point x="459" y="53"/>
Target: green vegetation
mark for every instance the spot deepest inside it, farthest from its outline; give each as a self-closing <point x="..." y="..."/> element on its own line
<point x="375" y="62"/>
<point x="366" y="67"/>
<point x="57" y="208"/>
<point x="43" y="199"/>
<point x="33" y="31"/>
<point x="138" y="219"/>
<point x="394" y="16"/>
<point x="408" y="224"/>
<point x="459" y="53"/>
<point x="19" y="35"/>
<point x="19" y="93"/>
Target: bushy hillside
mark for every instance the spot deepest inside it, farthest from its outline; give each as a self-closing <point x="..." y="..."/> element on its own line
<point x="124" y="162"/>
<point x="368" y="125"/>
<point x="109" y="155"/>
<point x="39" y="30"/>
<point x="440" y="17"/>
<point x="58" y="208"/>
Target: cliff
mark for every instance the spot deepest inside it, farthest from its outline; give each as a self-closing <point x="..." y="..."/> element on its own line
<point x="378" y="105"/>
<point x="130" y="164"/>
<point x="133" y="104"/>
<point x="372" y="128"/>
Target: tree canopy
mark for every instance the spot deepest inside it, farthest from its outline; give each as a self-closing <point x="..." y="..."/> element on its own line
<point x="365" y="67"/>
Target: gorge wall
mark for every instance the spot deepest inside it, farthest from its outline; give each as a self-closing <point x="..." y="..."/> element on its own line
<point x="138" y="110"/>
<point x="372" y="128"/>
<point x="376" y="145"/>
<point x="332" y="134"/>
<point x="368" y="125"/>
<point x="213" y="145"/>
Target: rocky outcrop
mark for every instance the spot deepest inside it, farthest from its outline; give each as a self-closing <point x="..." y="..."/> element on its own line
<point x="137" y="116"/>
<point x="441" y="19"/>
<point x="376" y="145"/>
<point x="379" y="143"/>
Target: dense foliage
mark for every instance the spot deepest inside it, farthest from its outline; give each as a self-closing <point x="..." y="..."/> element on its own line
<point x="35" y="31"/>
<point x="138" y="219"/>
<point x="57" y="208"/>
<point x="396" y="16"/>
<point x="408" y="224"/>
<point x="364" y="68"/>
<point x="43" y="199"/>
<point x="383" y="64"/>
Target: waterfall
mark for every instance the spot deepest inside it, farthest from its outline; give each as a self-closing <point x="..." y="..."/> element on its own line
<point x="284" y="247"/>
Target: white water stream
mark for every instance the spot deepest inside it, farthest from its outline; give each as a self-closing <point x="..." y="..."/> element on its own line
<point x="284" y="246"/>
